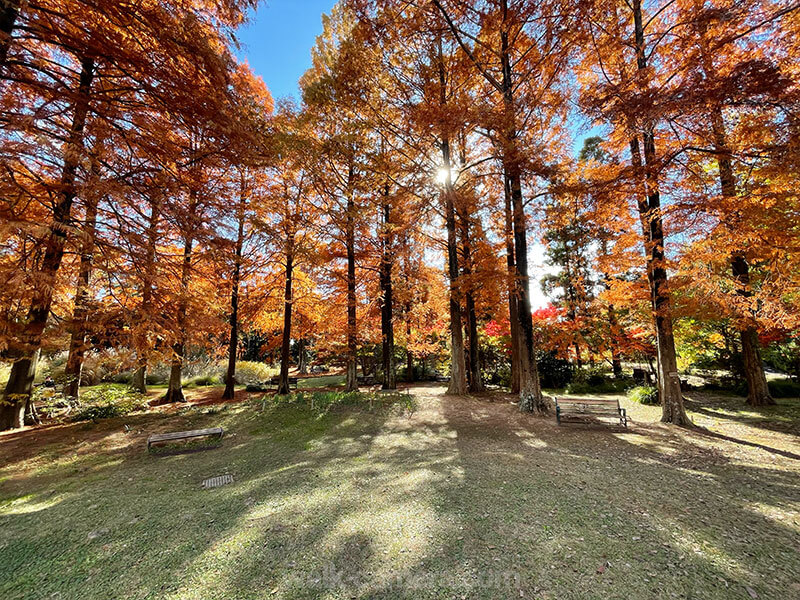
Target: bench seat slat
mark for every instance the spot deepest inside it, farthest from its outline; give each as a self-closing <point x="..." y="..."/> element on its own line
<point x="181" y="435"/>
<point x="572" y="407"/>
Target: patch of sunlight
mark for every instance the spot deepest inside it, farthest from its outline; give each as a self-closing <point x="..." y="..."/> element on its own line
<point x="690" y="545"/>
<point x="653" y="445"/>
<point x="83" y="463"/>
<point x="329" y="442"/>
<point x="212" y="570"/>
<point x="530" y="439"/>
<point x="26" y="505"/>
<point x="285" y="468"/>
<point x="782" y="516"/>
<point x="396" y="529"/>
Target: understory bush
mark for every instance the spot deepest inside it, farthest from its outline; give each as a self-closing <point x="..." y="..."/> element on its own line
<point x="108" y="400"/>
<point x="784" y="388"/>
<point x="204" y="380"/>
<point x="594" y="380"/>
<point x="644" y="394"/>
<point x="554" y="372"/>
<point x="501" y="375"/>
<point x="248" y="372"/>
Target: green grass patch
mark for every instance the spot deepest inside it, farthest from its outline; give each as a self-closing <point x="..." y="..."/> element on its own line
<point x="354" y="499"/>
<point x="320" y="382"/>
<point x="106" y="401"/>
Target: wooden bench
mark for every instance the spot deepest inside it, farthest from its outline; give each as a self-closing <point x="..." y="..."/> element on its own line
<point x="217" y="432"/>
<point x="581" y="409"/>
<point x="365" y="380"/>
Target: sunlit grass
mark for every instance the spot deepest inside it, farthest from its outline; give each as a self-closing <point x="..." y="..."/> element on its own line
<point x="461" y="499"/>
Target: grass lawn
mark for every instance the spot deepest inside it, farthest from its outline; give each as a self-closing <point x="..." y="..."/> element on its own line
<point x="463" y="498"/>
<point x="320" y="381"/>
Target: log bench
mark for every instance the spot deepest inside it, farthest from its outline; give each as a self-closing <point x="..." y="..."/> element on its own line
<point x="583" y="409"/>
<point x="160" y="438"/>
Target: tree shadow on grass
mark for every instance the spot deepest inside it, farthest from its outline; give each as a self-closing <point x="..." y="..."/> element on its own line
<point x="782" y="418"/>
<point x="466" y="498"/>
<point x="599" y="514"/>
<point x="138" y="527"/>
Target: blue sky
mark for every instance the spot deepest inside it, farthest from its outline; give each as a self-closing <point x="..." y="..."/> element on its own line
<point x="277" y="42"/>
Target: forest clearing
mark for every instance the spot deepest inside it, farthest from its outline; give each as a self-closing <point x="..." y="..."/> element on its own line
<point x="400" y="299"/>
<point x="456" y="497"/>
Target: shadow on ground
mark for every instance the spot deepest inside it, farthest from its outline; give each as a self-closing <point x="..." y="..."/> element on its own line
<point x="467" y="498"/>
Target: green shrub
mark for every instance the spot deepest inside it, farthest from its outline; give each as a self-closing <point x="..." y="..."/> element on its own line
<point x="554" y="372"/>
<point x="122" y="377"/>
<point x="106" y="401"/>
<point x="725" y="384"/>
<point x="606" y="386"/>
<point x="501" y="375"/>
<point x="204" y="380"/>
<point x="156" y="378"/>
<point x="784" y="388"/>
<point x="644" y="394"/>
<point x="593" y="380"/>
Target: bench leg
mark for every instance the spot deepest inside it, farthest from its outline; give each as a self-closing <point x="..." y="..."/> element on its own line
<point x="558" y="415"/>
<point x="623" y="417"/>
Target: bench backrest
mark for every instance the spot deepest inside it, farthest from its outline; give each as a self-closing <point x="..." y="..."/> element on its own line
<point x="610" y="403"/>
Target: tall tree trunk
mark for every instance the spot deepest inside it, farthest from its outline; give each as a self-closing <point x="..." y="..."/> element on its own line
<point x="233" y="345"/>
<point x="458" y="368"/>
<point x="20" y="381"/>
<point x="139" y="379"/>
<point x="616" y="363"/>
<point x="351" y="384"/>
<point x="139" y="382"/>
<point x="458" y="382"/>
<point x="387" y="305"/>
<point x="531" y="398"/>
<point x="757" y="389"/>
<point x="578" y="359"/>
<point x="175" y="385"/>
<point x="513" y="310"/>
<point x="410" y="376"/>
<point x="650" y="210"/>
<point x="475" y="380"/>
<point x="283" y="379"/>
<point x="80" y="314"/>
<point x="9" y="11"/>
<point x="666" y="361"/>
<point x="302" y="345"/>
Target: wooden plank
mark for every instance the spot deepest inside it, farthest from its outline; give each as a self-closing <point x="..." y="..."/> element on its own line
<point x="590" y="407"/>
<point x="588" y="400"/>
<point x="569" y="407"/>
<point x="180" y="435"/>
